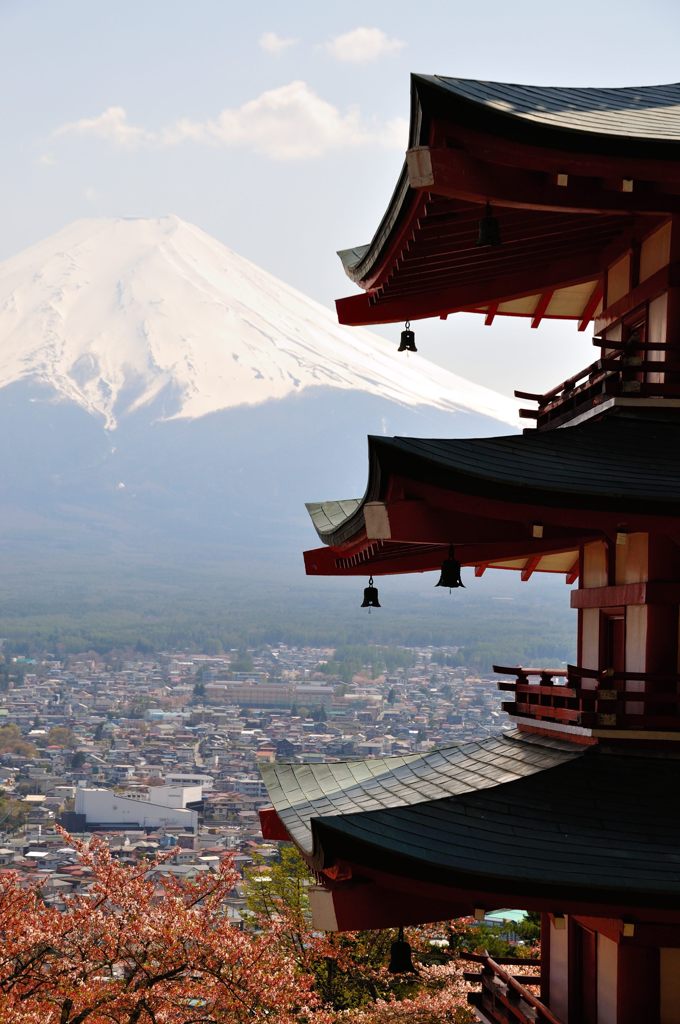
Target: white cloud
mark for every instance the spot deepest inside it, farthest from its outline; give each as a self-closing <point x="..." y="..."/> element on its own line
<point x="362" y="45"/>
<point x="273" y="43"/>
<point x="111" y="125"/>
<point x="288" y="123"/>
<point x="46" y="160"/>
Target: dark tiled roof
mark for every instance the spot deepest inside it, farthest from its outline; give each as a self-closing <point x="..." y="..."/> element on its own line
<point x="302" y="792"/>
<point x="600" y="827"/>
<point x="642" y="112"/>
<point x="619" y="463"/>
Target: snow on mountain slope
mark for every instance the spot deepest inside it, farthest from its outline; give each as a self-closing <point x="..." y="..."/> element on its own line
<point x="114" y="314"/>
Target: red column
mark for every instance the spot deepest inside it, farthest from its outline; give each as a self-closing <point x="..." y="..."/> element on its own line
<point x="638" y="981"/>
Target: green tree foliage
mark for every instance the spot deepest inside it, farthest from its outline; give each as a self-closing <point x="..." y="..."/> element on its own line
<point x="242" y="662"/>
<point x="351" y="659"/>
<point x="348" y="968"/>
<point x="61" y="736"/>
<point x="12" y="741"/>
<point x="13" y="813"/>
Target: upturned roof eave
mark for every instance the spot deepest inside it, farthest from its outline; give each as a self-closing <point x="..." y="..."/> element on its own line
<point x="574" y="468"/>
<point x="435" y="96"/>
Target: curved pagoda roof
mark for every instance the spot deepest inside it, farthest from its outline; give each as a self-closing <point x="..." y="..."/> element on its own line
<point x="571" y="173"/>
<point x="513" y="817"/>
<point x="300" y="793"/>
<point x="646" y="112"/>
<point x="484" y="494"/>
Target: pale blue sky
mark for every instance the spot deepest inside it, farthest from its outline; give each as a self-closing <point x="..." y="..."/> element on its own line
<point x="135" y="107"/>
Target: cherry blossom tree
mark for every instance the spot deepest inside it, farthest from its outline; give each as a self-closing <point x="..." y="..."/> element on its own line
<point x="140" y="948"/>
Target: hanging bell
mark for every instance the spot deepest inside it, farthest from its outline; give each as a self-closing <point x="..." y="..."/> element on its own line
<point x="489" y="230"/>
<point x="370" y="596"/>
<point x="450" y="573"/>
<point x="400" y="956"/>
<point x="408" y="339"/>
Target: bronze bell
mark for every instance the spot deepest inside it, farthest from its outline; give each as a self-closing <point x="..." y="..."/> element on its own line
<point x="450" y="573"/>
<point x="400" y="956"/>
<point x="489" y="230"/>
<point x="408" y="339"/>
<point x="370" y="596"/>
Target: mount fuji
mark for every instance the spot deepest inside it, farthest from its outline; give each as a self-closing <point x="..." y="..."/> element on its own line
<point x="162" y="397"/>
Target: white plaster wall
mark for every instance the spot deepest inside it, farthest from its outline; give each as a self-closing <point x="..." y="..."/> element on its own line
<point x="559" y="970"/>
<point x="669" y="965"/>
<point x="607" y="977"/>
<point x="632" y="559"/>
<point x="655" y="251"/>
<point x="657" y="332"/>
<point x="101" y="806"/>
<point x="618" y="279"/>
<point x="590" y="641"/>
<point x="595" y="564"/>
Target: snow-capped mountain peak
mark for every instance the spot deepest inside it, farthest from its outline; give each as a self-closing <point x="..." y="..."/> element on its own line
<point x="115" y="314"/>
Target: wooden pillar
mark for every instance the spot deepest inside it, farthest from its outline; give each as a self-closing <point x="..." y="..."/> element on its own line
<point x="638" y="981"/>
<point x="583" y="976"/>
<point x="545" y="958"/>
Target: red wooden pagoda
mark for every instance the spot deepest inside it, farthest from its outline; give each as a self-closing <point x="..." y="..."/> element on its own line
<point x="544" y="203"/>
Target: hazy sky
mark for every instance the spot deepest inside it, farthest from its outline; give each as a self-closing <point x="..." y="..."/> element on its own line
<point x="280" y="127"/>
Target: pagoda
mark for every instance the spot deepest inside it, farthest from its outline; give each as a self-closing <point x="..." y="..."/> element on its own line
<point x="544" y="203"/>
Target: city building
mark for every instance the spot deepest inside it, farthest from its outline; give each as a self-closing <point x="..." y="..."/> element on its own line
<point x="104" y="809"/>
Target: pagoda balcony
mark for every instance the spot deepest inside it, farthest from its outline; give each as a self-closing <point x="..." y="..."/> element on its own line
<point x="625" y="371"/>
<point x="503" y="997"/>
<point x="593" y="699"/>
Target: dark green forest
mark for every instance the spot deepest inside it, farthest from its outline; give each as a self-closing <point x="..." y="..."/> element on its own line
<point x="213" y="609"/>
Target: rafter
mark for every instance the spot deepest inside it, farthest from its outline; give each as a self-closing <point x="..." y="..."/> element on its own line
<point x="530" y="568"/>
<point x="591" y="305"/>
<point x="541" y="307"/>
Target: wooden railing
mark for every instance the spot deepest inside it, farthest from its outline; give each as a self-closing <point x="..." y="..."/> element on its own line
<point x="593" y="699"/>
<point x="503" y="997"/>
<point x="626" y="369"/>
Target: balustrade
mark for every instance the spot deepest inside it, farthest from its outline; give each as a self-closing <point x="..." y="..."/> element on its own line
<point x="626" y="369"/>
<point x="594" y="699"/>
<point x="503" y="997"/>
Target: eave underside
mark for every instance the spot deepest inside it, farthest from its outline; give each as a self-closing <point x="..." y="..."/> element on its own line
<point x="568" y="183"/>
<point x="436" y="268"/>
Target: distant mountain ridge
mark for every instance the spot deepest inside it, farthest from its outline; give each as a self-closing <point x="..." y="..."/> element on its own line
<point x="125" y="314"/>
<point x="165" y="402"/>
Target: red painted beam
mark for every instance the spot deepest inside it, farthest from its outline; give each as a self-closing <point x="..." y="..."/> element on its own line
<point x="490" y="313"/>
<point x="573" y="573"/>
<point x="541" y="307"/>
<point x="271" y="825"/>
<point x="504" y="286"/>
<point x="506" y="895"/>
<point x="530" y="568"/>
<point x="513" y="153"/>
<point x="407" y="558"/>
<point x="457" y="175"/>
<point x="657" y="592"/>
<point x="590" y="306"/>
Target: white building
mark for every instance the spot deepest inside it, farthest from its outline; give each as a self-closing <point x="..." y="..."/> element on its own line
<point x="188" y="779"/>
<point x="104" y="807"/>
